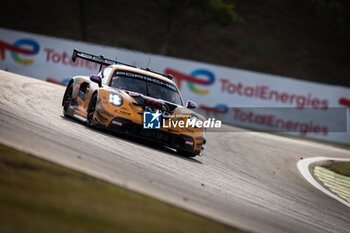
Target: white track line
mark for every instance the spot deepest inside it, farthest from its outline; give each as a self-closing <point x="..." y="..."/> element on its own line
<point x="303" y="166"/>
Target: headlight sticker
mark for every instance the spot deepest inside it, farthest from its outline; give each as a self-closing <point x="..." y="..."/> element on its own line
<point x="115" y="99"/>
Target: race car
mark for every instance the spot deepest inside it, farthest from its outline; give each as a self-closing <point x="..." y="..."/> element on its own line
<point x="136" y="101"/>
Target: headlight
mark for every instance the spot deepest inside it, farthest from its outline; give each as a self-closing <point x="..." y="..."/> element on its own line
<point x="115" y="99"/>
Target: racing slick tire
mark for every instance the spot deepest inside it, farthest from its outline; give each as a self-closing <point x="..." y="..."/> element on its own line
<point x="67" y="99"/>
<point x="91" y="112"/>
<point x="186" y="153"/>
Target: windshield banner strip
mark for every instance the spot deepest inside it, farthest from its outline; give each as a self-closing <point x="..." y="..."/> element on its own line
<point x="146" y="78"/>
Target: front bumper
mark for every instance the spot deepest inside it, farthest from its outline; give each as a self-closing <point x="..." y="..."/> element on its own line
<point x="177" y="141"/>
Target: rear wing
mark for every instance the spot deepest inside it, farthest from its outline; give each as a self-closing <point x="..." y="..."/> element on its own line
<point x="93" y="58"/>
<point x="105" y="61"/>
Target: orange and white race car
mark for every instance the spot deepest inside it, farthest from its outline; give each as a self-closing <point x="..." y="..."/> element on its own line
<point x="135" y="101"/>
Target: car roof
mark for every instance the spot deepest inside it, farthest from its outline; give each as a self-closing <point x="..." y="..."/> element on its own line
<point x="144" y="72"/>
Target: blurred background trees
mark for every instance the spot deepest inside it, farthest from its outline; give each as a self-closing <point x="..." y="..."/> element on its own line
<point x="182" y="15"/>
<point x="334" y="13"/>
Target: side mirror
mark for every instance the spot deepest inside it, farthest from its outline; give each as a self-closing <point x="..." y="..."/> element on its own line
<point x="96" y="79"/>
<point x="74" y="55"/>
<point x="191" y="104"/>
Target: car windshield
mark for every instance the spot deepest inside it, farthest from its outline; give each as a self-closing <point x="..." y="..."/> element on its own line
<point x="146" y="85"/>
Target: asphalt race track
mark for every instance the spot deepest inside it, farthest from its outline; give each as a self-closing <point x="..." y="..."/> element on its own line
<point x="245" y="179"/>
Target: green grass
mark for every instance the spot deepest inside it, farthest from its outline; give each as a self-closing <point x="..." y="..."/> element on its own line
<point x="342" y="168"/>
<point x="39" y="196"/>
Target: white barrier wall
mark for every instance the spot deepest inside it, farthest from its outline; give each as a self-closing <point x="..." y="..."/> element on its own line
<point x="239" y="97"/>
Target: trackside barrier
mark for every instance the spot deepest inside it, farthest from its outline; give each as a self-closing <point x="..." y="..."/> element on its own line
<point x="239" y="97"/>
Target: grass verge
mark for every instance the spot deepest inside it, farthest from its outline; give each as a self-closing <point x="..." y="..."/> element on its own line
<point x="39" y="196"/>
<point x="342" y="168"/>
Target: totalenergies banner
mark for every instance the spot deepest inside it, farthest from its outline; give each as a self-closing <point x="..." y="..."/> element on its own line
<point x="239" y="97"/>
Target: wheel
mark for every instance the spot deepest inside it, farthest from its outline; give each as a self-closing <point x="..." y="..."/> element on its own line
<point x="186" y="153"/>
<point x="91" y="111"/>
<point x="67" y="98"/>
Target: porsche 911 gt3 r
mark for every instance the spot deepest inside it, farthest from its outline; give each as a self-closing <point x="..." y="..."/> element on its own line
<point x="123" y="98"/>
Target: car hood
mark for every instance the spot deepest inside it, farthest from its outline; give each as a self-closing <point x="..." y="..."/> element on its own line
<point x="152" y="104"/>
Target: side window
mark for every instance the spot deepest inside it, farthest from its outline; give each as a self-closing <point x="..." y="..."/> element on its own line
<point x="105" y="74"/>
